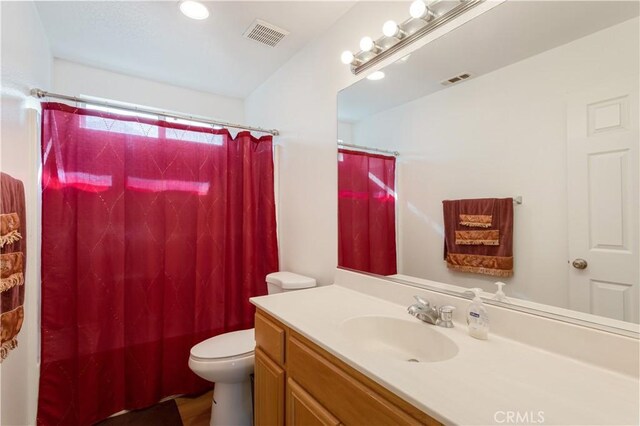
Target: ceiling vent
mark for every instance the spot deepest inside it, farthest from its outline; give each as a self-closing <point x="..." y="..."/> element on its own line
<point x="265" y="33"/>
<point x="456" y="79"/>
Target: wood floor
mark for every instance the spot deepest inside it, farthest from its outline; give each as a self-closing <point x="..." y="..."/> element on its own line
<point x="182" y="411"/>
<point x="195" y="411"/>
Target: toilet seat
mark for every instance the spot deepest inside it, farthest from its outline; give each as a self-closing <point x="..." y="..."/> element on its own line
<point x="237" y="344"/>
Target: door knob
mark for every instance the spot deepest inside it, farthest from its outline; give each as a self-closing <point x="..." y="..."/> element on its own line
<point x="580" y="264"/>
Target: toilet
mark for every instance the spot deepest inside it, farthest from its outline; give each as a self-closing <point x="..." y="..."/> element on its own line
<point x="227" y="360"/>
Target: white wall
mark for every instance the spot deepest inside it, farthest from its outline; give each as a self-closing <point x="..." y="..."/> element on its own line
<point x="74" y="79"/>
<point x="498" y="135"/>
<point x="345" y="132"/>
<point x="25" y="63"/>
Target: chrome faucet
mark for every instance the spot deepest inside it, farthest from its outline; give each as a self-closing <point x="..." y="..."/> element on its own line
<point x="423" y="310"/>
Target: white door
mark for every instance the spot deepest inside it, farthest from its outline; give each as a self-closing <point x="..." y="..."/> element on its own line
<point x="602" y="144"/>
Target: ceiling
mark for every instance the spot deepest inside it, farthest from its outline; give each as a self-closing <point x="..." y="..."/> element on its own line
<point x="153" y="40"/>
<point x="508" y="33"/>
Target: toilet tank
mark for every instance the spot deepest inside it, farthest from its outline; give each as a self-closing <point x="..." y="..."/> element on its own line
<point x="279" y="282"/>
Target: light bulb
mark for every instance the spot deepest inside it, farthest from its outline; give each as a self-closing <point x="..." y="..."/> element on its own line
<point x="194" y="9"/>
<point x="378" y="75"/>
<point x="418" y="9"/>
<point x="366" y="44"/>
<point x="390" y="29"/>
<point x="347" y="57"/>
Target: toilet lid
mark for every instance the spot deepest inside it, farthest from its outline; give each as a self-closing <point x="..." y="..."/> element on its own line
<point x="225" y="345"/>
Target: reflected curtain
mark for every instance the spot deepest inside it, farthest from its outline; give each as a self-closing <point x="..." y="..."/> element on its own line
<point x="154" y="237"/>
<point x="366" y="212"/>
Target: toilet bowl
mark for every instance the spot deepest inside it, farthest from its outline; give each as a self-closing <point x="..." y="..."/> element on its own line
<point x="228" y="359"/>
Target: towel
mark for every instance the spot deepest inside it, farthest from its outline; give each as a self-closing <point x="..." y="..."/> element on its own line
<point x="12" y="261"/>
<point x="478" y="235"/>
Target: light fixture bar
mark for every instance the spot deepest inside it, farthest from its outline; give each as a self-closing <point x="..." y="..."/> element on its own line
<point x="463" y="7"/>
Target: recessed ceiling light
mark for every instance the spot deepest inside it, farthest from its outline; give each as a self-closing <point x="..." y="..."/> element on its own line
<point x="378" y="75"/>
<point x="194" y="9"/>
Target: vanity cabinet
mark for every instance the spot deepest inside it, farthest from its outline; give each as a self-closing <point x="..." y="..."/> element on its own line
<point x="297" y="383"/>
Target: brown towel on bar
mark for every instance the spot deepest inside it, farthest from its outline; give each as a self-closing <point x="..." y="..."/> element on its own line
<point x="13" y="251"/>
<point x="487" y="251"/>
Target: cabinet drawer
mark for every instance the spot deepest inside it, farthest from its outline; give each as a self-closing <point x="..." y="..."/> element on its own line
<point x="347" y="398"/>
<point x="270" y="337"/>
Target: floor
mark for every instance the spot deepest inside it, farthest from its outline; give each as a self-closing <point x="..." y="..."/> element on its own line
<point x="184" y="411"/>
<point x="195" y="411"/>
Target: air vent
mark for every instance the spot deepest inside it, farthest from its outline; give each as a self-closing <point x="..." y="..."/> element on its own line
<point x="456" y="79"/>
<point x="265" y="33"/>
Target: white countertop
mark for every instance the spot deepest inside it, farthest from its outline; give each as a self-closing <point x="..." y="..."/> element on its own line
<point x="483" y="384"/>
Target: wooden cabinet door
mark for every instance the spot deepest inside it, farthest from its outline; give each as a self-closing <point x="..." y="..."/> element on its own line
<point x="304" y="410"/>
<point x="269" y="391"/>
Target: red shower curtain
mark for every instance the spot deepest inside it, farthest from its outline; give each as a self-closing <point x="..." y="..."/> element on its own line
<point x="154" y="236"/>
<point x="366" y="212"/>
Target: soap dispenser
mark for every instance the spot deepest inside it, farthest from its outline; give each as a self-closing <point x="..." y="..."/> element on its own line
<point x="500" y="296"/>
<point x="477" y="317"/>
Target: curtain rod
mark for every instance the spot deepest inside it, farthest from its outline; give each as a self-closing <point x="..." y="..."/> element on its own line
<point x="366" y="148"/>
<point x="38" y="93"/>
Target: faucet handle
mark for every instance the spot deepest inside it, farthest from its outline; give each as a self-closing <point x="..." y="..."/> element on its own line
<point x="446" y="316"/>
<point x="421" y="301"/>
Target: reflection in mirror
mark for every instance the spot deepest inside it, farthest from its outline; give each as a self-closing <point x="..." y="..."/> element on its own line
<point x="366" y="211"/>
<point x="531" y="100"/>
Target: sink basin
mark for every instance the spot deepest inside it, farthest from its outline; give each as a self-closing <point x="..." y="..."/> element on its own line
<point x="398" y="339"/>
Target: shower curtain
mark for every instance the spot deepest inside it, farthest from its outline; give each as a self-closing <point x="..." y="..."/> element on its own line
<point x="366" y="212"/>
<point x="154" y="236"/>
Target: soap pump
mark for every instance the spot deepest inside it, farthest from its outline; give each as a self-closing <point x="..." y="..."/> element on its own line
<point x="477" y="317"/>
<point x="500" y="296"/>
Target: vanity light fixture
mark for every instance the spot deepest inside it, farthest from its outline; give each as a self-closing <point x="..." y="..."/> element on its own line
<point x="348" y="57"/>
<point x="368" y="45"/>
<point x="391" y="29"/>
<point x="420" y="10"/>
<point x="194" y="9"/>
<point x="423" y="20"/>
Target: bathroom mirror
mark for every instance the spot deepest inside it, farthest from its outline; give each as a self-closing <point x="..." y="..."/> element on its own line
<point x="513" y="104"/>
